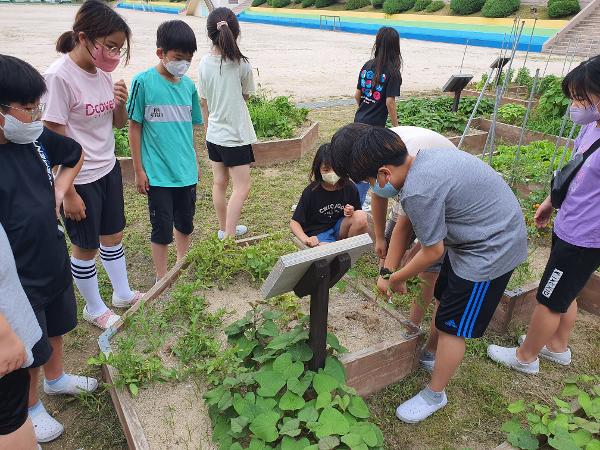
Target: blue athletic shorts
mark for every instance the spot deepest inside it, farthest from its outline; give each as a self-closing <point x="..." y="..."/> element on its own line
<point x="331" y="235"/>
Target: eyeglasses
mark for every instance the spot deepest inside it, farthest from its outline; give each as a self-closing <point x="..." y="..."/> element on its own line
<point x="35" y="113"/>
<point x="113" y="51"/>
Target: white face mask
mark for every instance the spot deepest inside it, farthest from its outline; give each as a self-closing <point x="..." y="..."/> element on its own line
<point x="20" y="132"/>
<point x="330" y="177"/>
<point x="177" y="68"/>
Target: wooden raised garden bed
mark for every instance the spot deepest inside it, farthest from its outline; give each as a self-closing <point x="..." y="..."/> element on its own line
<point x="383" y="348"/>
<point x="266" y="153"/>
<point x="589" y="297"/>
<point x="505" y="100"/>
<point x="511" y="133"/>
<point x="515" y="308"/>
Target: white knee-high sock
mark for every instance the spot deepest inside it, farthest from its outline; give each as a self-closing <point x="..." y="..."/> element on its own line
<point x="113" y="260"/>
<point x="86" y="278"/>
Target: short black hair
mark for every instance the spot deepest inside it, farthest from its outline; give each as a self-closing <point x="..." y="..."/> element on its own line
<point x="583" y="81"/>
<point x="19" y="81"/>
<point x="176" y="35"/>
<point x="371" y="148"/>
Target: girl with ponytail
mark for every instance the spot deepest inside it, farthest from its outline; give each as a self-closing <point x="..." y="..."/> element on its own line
<point x="83" y="103"/>
<point x="225" y="84"/>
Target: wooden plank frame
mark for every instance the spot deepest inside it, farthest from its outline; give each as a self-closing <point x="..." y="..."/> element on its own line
<point x="515" y="308"/>
<point x="122" y="401"/>
<point x="589" y="297"/>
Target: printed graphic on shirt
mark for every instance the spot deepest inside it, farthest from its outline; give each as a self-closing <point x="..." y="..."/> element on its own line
<point x="331" y="210"/>
<point x="371" y="90"/>
<point x="100" y="109"/>
<point x="552" y="282"/>
<point x="168" y="113"/>
<point x="43" y="155"/>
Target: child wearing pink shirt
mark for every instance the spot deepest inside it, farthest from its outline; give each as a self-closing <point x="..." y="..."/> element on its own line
<point x="84" y="104"/>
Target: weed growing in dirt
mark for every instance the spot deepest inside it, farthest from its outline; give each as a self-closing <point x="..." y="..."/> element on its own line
<point x="275" y="117"/>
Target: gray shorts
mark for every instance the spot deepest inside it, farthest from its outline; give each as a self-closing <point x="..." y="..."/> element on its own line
<point x="389" y="228"/>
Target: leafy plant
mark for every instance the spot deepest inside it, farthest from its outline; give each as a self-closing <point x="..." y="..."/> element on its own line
<point x="436" y="5"/>
<point x="524" y="78"/>
<point x="397" y="6"/>
<point x="122" y="142"/>
<point x="546" y="82"/>
<point x="420" y="5"/>
<point x="512" y="114"/>
<point x="553" y="102"/>
<point x="307" y="3"/>
<point x="275" y="117"/>
<point x="466" y="7"/>
<point x="563" y="425"/>
<point x="280" y="3"/>
<point x="563" y="8"/>
<point x="273" y="399"/>
<point x="377" y="3"/>
<point x="258" y="2"/>
<point x="356" y="4"/>
<point x="500" y="8"/>
<point x="323" y="3"/>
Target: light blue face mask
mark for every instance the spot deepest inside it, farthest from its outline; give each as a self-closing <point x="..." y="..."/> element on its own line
<point x="387" y="191"/>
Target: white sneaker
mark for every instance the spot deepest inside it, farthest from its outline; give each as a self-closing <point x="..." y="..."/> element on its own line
<point x="46" y="427"/>
<point x="427" y="360"/>
<point x="562" y="358"/>
<point x="418" y="408"/>
<point x="240" y="230"/>
<point x="72" y="385"/>
<point x="120" y="303"/>
<point x="507" y="356"/>
<point x="103" y="321"/>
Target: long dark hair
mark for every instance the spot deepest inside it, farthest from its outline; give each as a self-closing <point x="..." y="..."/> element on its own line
<point x="583" y="81"/>
<point x="96" y="19"/>
<point x="322" y="157"/>
<point x="225" y="36"/>
<point x="386" y="52"/>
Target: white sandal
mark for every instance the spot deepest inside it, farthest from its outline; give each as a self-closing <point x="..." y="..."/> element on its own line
<point x="46" y="427"/>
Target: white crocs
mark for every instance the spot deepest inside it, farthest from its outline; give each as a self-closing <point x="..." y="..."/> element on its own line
<point x="419" y="408"/>
<point x="507" y="356"/>
<point x="240" y="230"/>
<point x="120" y="303"/>
<point x="46" y="427"/>
<point x="562" y="358"/>
<point x="103" y="321"/>
<point x="71" y="385"/>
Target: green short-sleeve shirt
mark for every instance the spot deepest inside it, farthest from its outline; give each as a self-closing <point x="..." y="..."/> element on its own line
<point x="167" y="112"/>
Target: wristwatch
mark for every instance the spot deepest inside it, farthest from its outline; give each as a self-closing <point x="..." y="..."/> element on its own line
<point x="385" y="273"/>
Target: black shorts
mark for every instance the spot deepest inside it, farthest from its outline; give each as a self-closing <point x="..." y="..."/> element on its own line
<point x="104" y="210"/>
<point x="168" y="207"/>
<point x="568" y="270"/>
<point x="57" y="317"/>
<point x="230" y="156"/>
<point x="14" y="396"/>
<point x="466" y="307"/>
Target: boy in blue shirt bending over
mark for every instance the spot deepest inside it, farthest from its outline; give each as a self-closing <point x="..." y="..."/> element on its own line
<point x="163" y="108"/>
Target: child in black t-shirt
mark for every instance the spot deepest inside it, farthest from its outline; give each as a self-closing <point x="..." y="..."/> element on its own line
<point x="329" y="208"/>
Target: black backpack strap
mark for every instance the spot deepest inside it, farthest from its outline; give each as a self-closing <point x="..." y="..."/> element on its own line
<point x="595" y="146"/>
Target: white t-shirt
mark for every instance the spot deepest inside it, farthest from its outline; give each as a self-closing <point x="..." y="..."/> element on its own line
<point x="415" y="139"/>
<point x="84" y="103"/>
<point x="223" y="86"/>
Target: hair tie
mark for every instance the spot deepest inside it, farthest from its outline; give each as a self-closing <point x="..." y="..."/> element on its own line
<point x="221" y="24"/>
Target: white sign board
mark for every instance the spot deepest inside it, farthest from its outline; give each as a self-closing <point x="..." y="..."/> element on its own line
<point x="291" y="268"/>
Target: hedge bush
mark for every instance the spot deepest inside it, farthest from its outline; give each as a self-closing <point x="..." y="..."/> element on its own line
<point x="397" y="6"/>
<point x="436" y="5"/>
<point x="281" y="3"/>
<point x="258" y="2"/>
<point x="377" y="3"/>
<point x="563" y="8"/>
<point x="500" y="8"/>
<point x="420" y="5"/>
<point x="466" y="7"/>
<point x="307" y="3"/>
<point x="323" y="3"/>
<point x="355" y="4"/>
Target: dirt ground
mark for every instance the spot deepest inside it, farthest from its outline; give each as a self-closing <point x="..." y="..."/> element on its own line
<point x="305" y="64"/>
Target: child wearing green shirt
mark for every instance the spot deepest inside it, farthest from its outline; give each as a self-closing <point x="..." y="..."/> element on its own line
<point x="163" y="108"/>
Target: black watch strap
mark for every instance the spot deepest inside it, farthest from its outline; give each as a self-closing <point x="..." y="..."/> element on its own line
<point x="385" y="273"/>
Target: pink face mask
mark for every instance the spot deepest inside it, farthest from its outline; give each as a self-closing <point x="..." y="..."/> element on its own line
<point x="104" y="61"/>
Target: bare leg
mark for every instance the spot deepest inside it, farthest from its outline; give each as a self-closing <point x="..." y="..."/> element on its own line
<point x="182" y="243"/>
<point x="160" y="257"/>
<point x="419" y="307"/>
<point x="34" y="384"/>
<point x="83" y="253"/>
<point x="240" y="175"/>
<point x="353" y="226"/>
<point x="219" y="191"/>
<point x="432" y="342"/>
<point x="449" y="355"/>
<point x="21" y="439"/>
<point x="110" y="240"/>
<point x="54" y="368"/>
<point x="560" y="341"/>
<point x="544" y="324"/>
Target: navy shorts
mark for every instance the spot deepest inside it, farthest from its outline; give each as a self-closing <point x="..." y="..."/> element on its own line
<point x="104" y="210"/>
<point x="171" y="207"/>
<point x="332" y="234"/>
<point x="466" y="307"/>
<point x="14" y="396"/>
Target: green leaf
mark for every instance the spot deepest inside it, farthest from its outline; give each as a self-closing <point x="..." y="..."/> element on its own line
<point x="133" y="388"/>
<point x="270" y="382"/>
<point x="562" y="405"/>
<point x="342" y="402"/>
<point x="324" y="383"/>
<point x="245" y="346"/>
<point x="510" y="426"/>
<point x="334" y="343"/>
<point x="323" y="400"/>
<point x="523" y="439"/>
<point x="268" y="329"/>
<point x="225" y="402"/>
<point x="563" y="441"/>
<point x="570" y="390"/>
<point x="245" y="406"/>
<point x="265" y="404"/>
<point x="585" y="402"/>
<point x="592" y="427"/>
<point x="352" y="440"/>
<point x="332" y="422"/>
<point x="533" y="418"/>
<point x="300" y="351"/>
<point x="542" y="409"/>
<point x="290" y="428"/>
<point x="292" y="444"/>
<point x="335" y="368"/>
<point x="291" y="402"/>
<point x="285" y="340"/>
<point x="264" y="426"/>
<point x="308" y="414"/>
<point x="516" y="407"/>
<point x="358" y="408"/>
<point x="239" y="423"/>
<point x="594" y="444"/>
<point x="300" y="386"/>
<point x="328" y="443"/>
<point x="236" y="446"/>
<point x="581" y="438"/>
<point x="369" y="433"/>
<point x="311" y="447"/>
<point x="257" y="444"/>
<point x="283" y="365"/>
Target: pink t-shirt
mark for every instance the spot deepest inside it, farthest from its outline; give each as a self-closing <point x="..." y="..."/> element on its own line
<point x="84" y="102"/>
